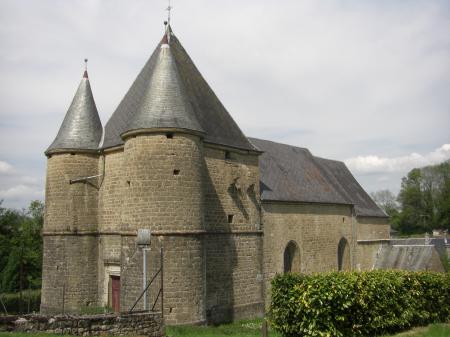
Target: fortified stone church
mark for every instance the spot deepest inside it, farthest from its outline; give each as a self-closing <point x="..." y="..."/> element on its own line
<point x="229" y="211"/>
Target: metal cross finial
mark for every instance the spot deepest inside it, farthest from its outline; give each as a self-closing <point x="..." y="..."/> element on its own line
<point x="168" y="9"/>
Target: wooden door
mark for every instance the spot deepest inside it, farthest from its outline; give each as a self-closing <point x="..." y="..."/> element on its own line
<point x="115" y="293"/>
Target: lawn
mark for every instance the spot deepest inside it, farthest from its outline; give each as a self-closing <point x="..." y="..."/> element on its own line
<point x="237" y="329"/>
<point x="253" y="329"/>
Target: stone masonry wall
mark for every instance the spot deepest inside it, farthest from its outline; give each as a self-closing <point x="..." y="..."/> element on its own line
<point x="110" y="201"/>
<point x="164" y="192"/>
<point x="138" y="324"/>
<point x="69" y="276"/>
<point x="231" y="188"/>
<point x="315" y="228"/>
<point x="111" y="191"/>
<point x="370" y="228"/>
<point x="164" y="182"/>
<point x="183" y="276"/>
<point x="372" y="235"/>
<point x="71" y="207"/>
<point x="234" y="277"/>
<point x="234" y="287"/>
<point x="69" y="273"/>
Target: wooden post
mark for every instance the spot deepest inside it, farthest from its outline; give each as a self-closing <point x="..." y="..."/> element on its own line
<point x="162" y="283"/>
<point x="21" y="278"/>
<point x="264" y="331"/>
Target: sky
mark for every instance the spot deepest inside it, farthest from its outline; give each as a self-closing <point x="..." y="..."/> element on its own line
<point x="364" y="82"/>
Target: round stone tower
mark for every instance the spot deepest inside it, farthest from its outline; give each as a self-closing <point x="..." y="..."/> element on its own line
<point x="163" y="152"/>
<point x="70" y="241"/>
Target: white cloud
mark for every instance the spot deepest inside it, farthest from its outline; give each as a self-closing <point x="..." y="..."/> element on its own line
<point x="21" y="192"/>
<point x="375" y="164"/>
<point x="17" y="189"/>
<point x="5" y="168"/>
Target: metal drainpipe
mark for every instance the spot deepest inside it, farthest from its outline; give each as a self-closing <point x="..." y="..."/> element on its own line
<point x="144" y="278"/>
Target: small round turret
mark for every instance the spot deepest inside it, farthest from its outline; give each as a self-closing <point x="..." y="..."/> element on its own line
<point x="70" y="242"/>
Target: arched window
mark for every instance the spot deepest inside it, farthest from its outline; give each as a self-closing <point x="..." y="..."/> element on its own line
<point x="343" y="255"/>
<point x="292" y="258"/>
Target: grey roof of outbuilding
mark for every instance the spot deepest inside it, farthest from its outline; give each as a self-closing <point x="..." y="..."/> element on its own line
<point x="343" y="181"/>
<point x="290" y="173"/>
<point x="81" y="128"/>
<point x="142" y="108"/>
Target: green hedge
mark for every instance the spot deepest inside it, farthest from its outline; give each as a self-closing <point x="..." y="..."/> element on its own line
<point x="31" y="301"/>
<point x="358" y="304"/>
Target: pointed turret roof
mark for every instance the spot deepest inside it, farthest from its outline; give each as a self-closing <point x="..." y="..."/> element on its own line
<point x="164" y="101"/>
<point x="170" y="92"/>
<point x="81" y="128"/>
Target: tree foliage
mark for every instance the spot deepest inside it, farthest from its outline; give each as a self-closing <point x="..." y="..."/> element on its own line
<point x="386" y="200"/>
<point x="21" y="247"/>
<point x="423" y="203"/>
<point x="425" y="199"/>
<point x="350" y="304"/>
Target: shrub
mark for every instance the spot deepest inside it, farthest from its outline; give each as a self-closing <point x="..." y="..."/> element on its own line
<point x="31" y="301"/>
<point x="371" y="303"/>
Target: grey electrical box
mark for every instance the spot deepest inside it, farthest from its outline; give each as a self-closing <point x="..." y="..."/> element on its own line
<point x="143" y="237"/>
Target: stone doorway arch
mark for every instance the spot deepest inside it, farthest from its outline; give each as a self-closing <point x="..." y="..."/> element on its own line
<point x="291" y="258"/>
<point x="343" y="255"/>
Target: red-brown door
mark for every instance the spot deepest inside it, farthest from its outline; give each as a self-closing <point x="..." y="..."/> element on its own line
<point x="115" y="291"/>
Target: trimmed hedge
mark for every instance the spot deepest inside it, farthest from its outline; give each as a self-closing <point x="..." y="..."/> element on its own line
<point x="371" y="303"/>
<point x="13" y="305"/>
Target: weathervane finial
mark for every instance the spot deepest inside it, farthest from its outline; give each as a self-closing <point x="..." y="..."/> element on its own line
<point x="85" y="75"/>
<point x="168" y="9"/>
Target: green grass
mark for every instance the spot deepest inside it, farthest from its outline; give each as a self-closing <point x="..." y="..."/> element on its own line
<point x="237" y="329"/>
<point x="253" y="329"/>
<point x="434" y="330"/>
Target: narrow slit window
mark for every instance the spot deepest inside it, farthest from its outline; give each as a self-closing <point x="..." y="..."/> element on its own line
<point x="230" y="218"/>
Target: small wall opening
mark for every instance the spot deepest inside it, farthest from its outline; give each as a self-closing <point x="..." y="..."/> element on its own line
<point x="169" y="135"/>
<point x="343" y="255"/>
<point x="227" y="155"/>
<point x="291" y="258"/>
<point x="176" y="172"/>
<point x="230" y="218"/>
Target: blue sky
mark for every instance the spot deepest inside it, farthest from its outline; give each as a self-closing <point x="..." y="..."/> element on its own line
<point x="365" y="82"/>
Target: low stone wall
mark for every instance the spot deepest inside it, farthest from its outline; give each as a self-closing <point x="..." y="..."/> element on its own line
<point x="142" y="324"/>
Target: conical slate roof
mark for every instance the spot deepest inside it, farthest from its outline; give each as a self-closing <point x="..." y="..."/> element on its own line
<point x="81" y="128"/>
<point x="164" y="102"/>
<point x="170" y="92"/>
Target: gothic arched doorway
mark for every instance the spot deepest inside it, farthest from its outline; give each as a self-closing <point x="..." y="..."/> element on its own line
<point x="292" y="258"/>
<point x="343" y="255"/>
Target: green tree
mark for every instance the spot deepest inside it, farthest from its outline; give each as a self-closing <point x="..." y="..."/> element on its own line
<point x="425" y="200"/>
<point x="21" y="248"/>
